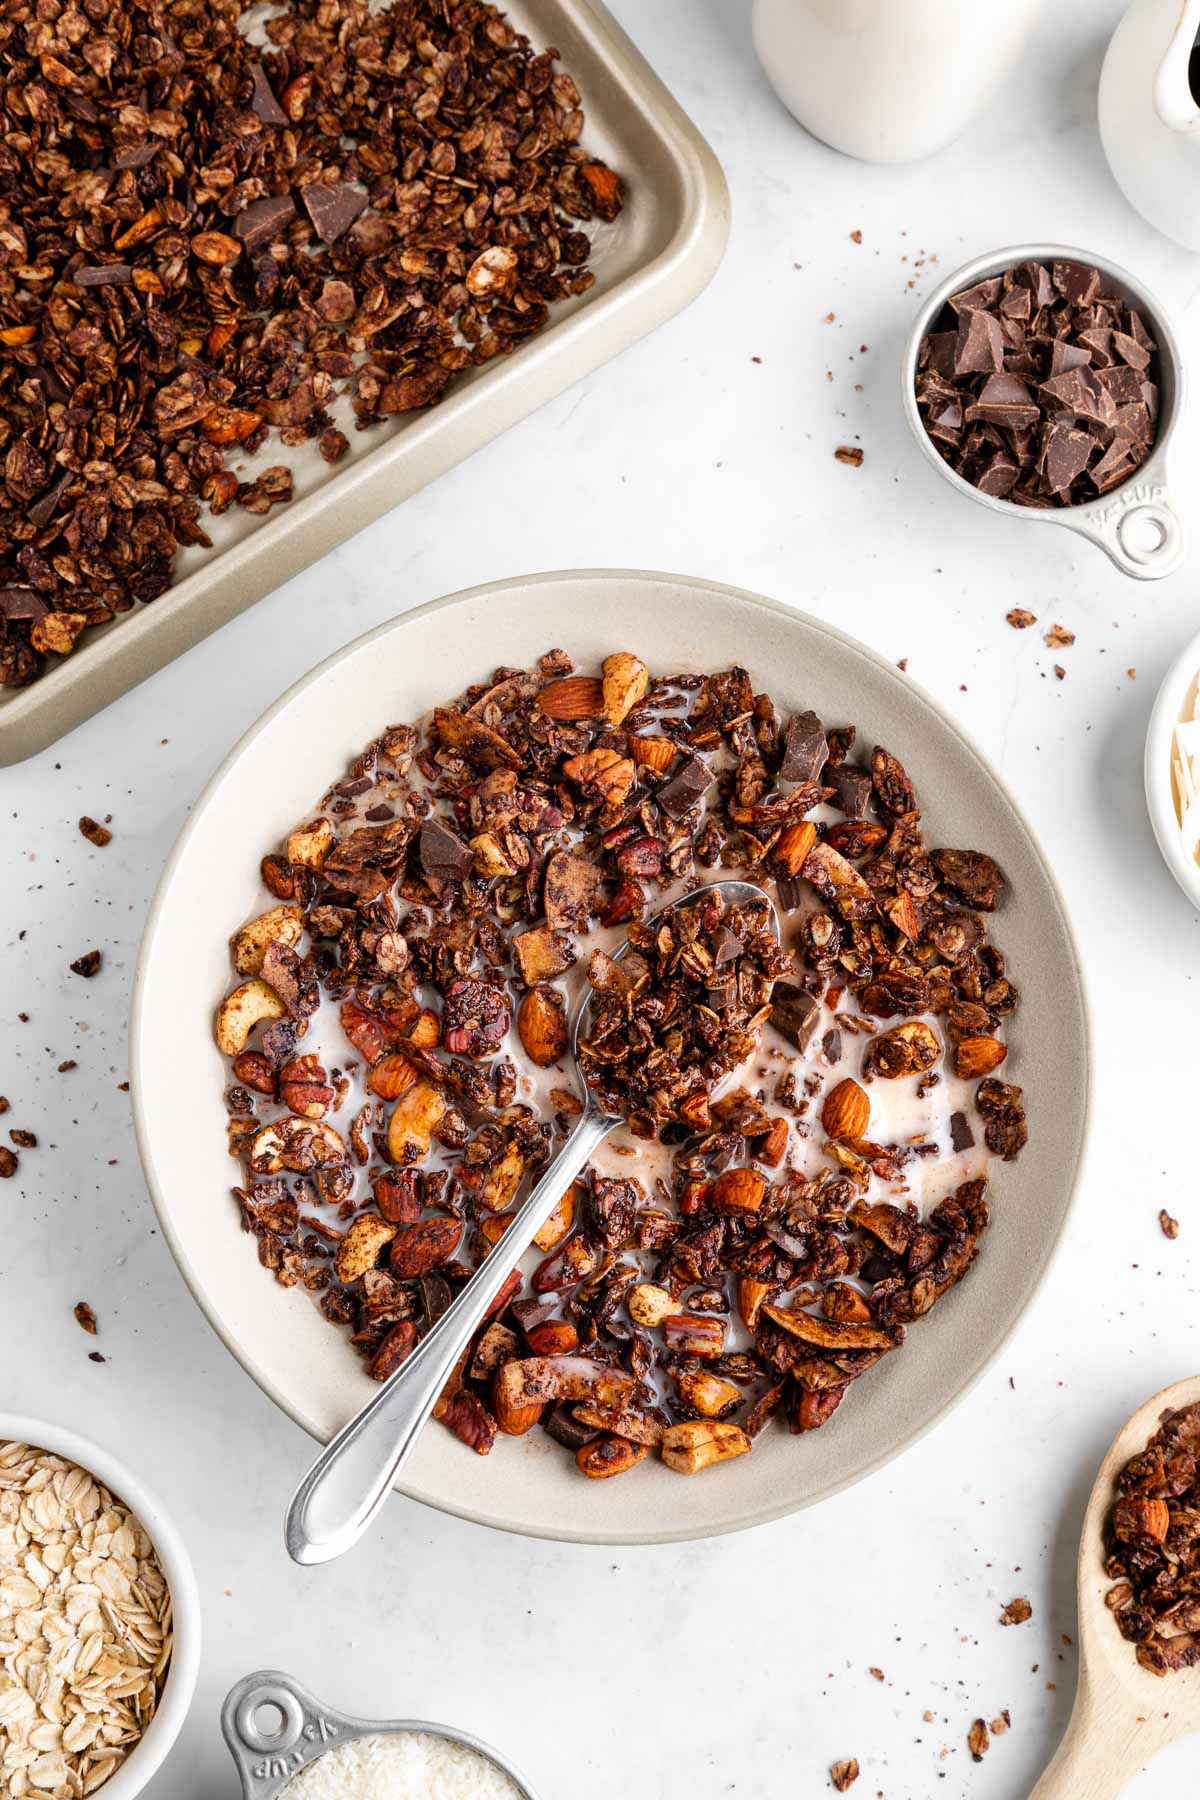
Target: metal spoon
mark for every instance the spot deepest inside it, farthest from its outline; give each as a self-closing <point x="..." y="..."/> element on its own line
<point x="1123" y="1714"/>
<point x="350" y="1480"/>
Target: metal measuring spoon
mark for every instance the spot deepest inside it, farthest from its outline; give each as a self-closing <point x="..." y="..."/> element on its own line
<point x="350" y="1480"/>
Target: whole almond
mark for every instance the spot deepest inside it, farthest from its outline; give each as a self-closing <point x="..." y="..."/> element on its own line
<point x="738" y="1191"/>
<point x="975" y="1056"/>
<point x="424" y="1247"/>
<point x="542" y="1026"/>
<point x="574" y="697"/>
<point x="392" y="1076"/>
<point x="657" y="753"/>
<point x="847" y="1110"/>
<point x="626" y="679"/>
<point x="793" y="845"/>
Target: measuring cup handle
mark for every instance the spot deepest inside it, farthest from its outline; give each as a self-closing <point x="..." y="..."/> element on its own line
<point x="1139" y="529"/>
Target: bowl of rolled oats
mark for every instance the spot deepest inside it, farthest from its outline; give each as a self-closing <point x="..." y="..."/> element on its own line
<point x="99" y="1620"/>
<point x="811" y="1230"/>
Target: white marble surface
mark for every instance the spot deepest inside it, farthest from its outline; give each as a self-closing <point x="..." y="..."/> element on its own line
<point x="738" y="1667"/>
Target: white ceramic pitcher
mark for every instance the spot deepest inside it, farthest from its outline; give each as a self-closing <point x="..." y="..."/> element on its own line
<point x="1150" y="114"/>
<point x="888" y="80"/>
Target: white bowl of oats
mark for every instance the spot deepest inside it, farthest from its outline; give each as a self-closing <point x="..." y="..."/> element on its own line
<point x="99" y="1620"/>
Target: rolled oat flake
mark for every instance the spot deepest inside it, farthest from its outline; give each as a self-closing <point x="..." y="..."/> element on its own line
<point x="403" y="1765"/>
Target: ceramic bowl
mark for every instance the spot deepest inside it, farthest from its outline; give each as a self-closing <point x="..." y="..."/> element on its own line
<point x="134" y="1774"/>
<point x="211" y="885"/>
<point x="1160" y="798"/>
<point x="1138" y="526"/>
<point x="274" y="1728"/>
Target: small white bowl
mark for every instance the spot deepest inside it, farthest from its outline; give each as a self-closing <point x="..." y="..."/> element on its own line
<point x="1160" y="796"/>
<point x="145" y="1758"/>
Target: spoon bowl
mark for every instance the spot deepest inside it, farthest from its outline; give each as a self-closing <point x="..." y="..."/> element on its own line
<point x="1123" y="1715"/>
<point x="349" y="1482"/>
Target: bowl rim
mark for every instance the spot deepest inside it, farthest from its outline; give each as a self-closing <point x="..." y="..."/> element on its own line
<point x="769" y="1510"/>
<point x="183" y="1670"/>
<point x="978" y="268"/>
<point x="1156" y="771"/>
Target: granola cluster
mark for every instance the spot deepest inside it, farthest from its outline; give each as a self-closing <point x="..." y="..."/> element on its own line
<point x="754" y="1241"/>
<point x="1153" y="1539"/>
<point x="204" y="240"/>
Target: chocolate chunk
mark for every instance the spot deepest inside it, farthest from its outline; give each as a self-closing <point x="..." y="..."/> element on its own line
<point x="262" y="220"/>
<point x="435" y="1298"/>
<point x="1065" y="454"/>
<point x="21" y="603"/>
<point x="103" y="275"/>
<point x="1064" y="356"/>
<point x="42" y="509"/>
<point x="87" y="965"/>
<point x="532" y="1312"/>
<point x="728" y="946"/>
<point x="790" y="890"/>
<point x="685" y="790"/>
<point x="980" y="345"/>
<point x="831" y="1044"/>
<point x="795" y="1013"/>
<point x="565" y="1428"/>
<point x="1036" y="277"/>
<point x="1130" y="351"/>
<point x="262" y="100"/>
<point x="937" y="350"/>
<point x="851" y="787"/>
<point x="1004" y="400"/>
<point x="961" y="1135"/>
<point x="137" y="156"/>
<point x="805" y="748"/>
<point x="1000" y="476"/>
<point x="1076" y="282"/>
<point x="980" y="298"/>
<point x="332" y="207"/>
<point x="442" y="853"/>
<point x="1121" y="383"/>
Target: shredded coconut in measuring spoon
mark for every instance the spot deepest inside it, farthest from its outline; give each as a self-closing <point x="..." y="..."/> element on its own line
<point x="409" y="1765"/>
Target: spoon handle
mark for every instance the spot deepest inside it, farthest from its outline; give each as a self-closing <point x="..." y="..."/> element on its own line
<point x="1106" y="1743"/>
<point x="352" y="1477"/>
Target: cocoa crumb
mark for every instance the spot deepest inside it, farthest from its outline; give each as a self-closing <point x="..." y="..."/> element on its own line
<point x="24" y="1140"/>
<point x="856" y="237"/>
<point x="844" y="1774"/>
<point x="8" y="1162"/>
<point x="87" y="965"/>
<point x="70" y="1063"/>
<point x="1001" y="1723"/>
<point x="95" y="833"/>
<point x="4" y="1104"/>
<point x="978" y="1741"/>
<point x="877" y="1673"/>
<point x="1016" y="1612"/>
<point x="1170" y="1226"/>
<point x="1020" y="619"/>
<point x="849" y="454"/>
<point x="902" y="665"/>
<point x="96" y="1356"/>
<point x="1060" y="674"/>
<point x="1059" y="638"/>
<point x="86" y="1318"/>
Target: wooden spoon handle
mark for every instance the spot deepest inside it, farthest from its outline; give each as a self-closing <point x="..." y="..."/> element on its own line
<point x="1103" y="1749"/>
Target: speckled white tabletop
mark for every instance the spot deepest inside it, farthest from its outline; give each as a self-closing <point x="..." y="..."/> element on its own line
<point x="742" y="1666"/>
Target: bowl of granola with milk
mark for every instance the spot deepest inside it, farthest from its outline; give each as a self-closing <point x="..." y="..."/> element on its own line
<point x="830" y="1198"/>
<point x="99" y="1620"/>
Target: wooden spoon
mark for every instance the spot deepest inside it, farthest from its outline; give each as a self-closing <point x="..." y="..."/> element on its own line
<point x="1123" y="1715"/>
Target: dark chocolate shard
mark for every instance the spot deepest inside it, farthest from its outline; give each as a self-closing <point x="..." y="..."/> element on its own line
<point x="1036" y="277"/>
<point x="980" y="298"/>
<point x="1005" y="400"/>
<point x="42" y="510"/>
<point x="851" y="787"/>
<point x="263" y="103"/>
<point x="795" y="1013"/>
<point x="442" y="853"/>
<point x="1066" y="452"/>
<point x="980" y="346"/>
<point x="961" y="1135"/>
<point x="116" y="274"/>
<point x="685" y="790"/>
<point x="262" y="220"/>
<point x="1130" y="351"/>
<point x="332" y="207"/>
<point x="805" y="748"/>
<point x="1064" y="356"/>
<point x="137" y="156"/>
<point x="1000" y="476"/>
<point x="22" y="603"/>
<point x="1076" y="282"/>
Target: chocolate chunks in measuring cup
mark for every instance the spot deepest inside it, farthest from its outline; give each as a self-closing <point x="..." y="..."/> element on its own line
<point x="1039" y="387"/>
